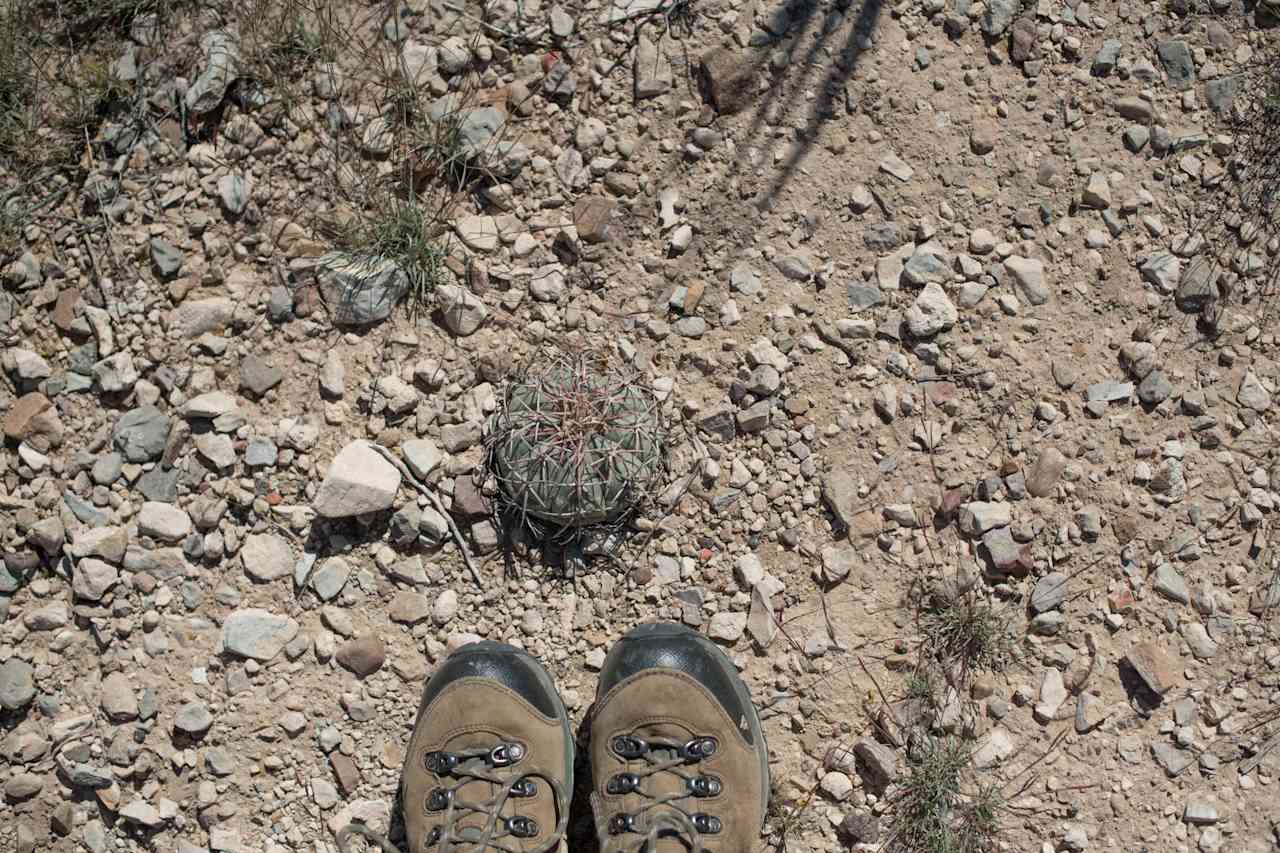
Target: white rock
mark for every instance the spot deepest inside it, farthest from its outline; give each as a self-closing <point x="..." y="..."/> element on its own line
<point x="359" y="481"/>
<point x="422" y="456"/>
<point x="163" y="521"/>
<point x="931" y="313"/>
<point x="266" y="557"/>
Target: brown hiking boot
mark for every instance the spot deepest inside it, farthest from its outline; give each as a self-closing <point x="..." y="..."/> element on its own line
<point x="490" y="763"/>
<point x="678" y="757"/>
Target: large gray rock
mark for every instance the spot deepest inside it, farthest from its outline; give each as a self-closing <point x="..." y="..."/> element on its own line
<point x="140" y="434"/>
<point x="361" y="291"/>
<point x="1175" y="56"/>
<point x="359" y="481"/>
<point x="257" y="634"/>
<point x="17" y="684"/>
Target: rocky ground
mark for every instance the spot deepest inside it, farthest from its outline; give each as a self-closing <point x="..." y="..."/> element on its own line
<point x="916" y="285"/>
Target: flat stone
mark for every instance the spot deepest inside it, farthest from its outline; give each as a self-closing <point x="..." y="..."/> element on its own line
<point x="1049" y="593"/>
<point x="17" y="684"/>
<point x="257" y="376"/>
<point x="977" y="517"/>
<point x="593" y="216"/>
<point x="257" y="634"/>
<point x="142" y="813"/>
<point x="1154" y="666"/>
<point x="31" y="415"/>
<point x="140" y="434"/>
<point x="217" y="449"/>
<point x="117" y="698"/>
<point x="193" y="718"/>
<point x="839" y="492"/>
<point x="409" y="608"/>
<point x="1008" y="557"/>
<point x="363" y="656"/>
<point x="1028" y="276"/>
<point x="359" y="481"/>
<point x="330" y="577"/>
<point x="1162" y="269"/>
<point x="1200" y="811"/>
<point x="1109" y="391"/>
<point x="1252" y="394"/>
<point x="1175" y="56"/>
<point x="211" y="405"/>
<point x="1169" y="583"/>
<point x="1172" y="759"/>
<point x="163" y="521"/>
<point x="193" y="319"/>
<point x="727" y="627"/>
<point x="478" y="232"/>
<point x="1053" y="693"/>
<point x="653" y="75"/>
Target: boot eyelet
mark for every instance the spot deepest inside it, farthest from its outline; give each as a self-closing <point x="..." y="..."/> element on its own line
<point x="432" y="837"/>
<point x="440" y="763"/>
<point x="629" y="747"/>
<point x="506" y="754"/>
<point x="439" y="799"/>
<point x="621" y="823"/>
<point x="622" y="783"/>
<point x="706" y="824"/>
<point x="705" y="786"/>
<point x="699" y="748"/>
<point x="524" y="787"/>
<point x="522" y="827"/>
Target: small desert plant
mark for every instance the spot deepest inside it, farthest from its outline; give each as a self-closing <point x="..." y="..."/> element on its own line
<point x="961" y="628"/>
<point x="1238" y="217"/>
<point x="578" y="441"/>
<point x="399" y="231"/>
<point x="937" y="808"/>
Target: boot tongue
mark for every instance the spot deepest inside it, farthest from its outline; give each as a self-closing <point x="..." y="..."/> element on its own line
<point x="675" y="836"/>
<point x="470" y="825"/>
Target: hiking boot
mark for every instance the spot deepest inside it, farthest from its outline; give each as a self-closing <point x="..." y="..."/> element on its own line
<point x="490" y="763"/>
<point x="678" y="757"/>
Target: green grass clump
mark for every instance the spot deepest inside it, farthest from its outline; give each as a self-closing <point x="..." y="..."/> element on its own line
<point x="402" y="231"/>
<point x="967" y="630"/>
<point x="932" y="811"/>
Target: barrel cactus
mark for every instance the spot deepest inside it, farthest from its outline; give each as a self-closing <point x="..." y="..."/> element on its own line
<point x="576" y="442"/>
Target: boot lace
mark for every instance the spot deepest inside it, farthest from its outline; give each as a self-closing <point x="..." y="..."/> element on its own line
<point x="493" y="765"/>
<point x="674" y="811"/>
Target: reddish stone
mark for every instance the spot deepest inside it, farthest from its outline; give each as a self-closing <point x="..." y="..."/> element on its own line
<point x="64" y="310"/>
<point x="30" y="415"/>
